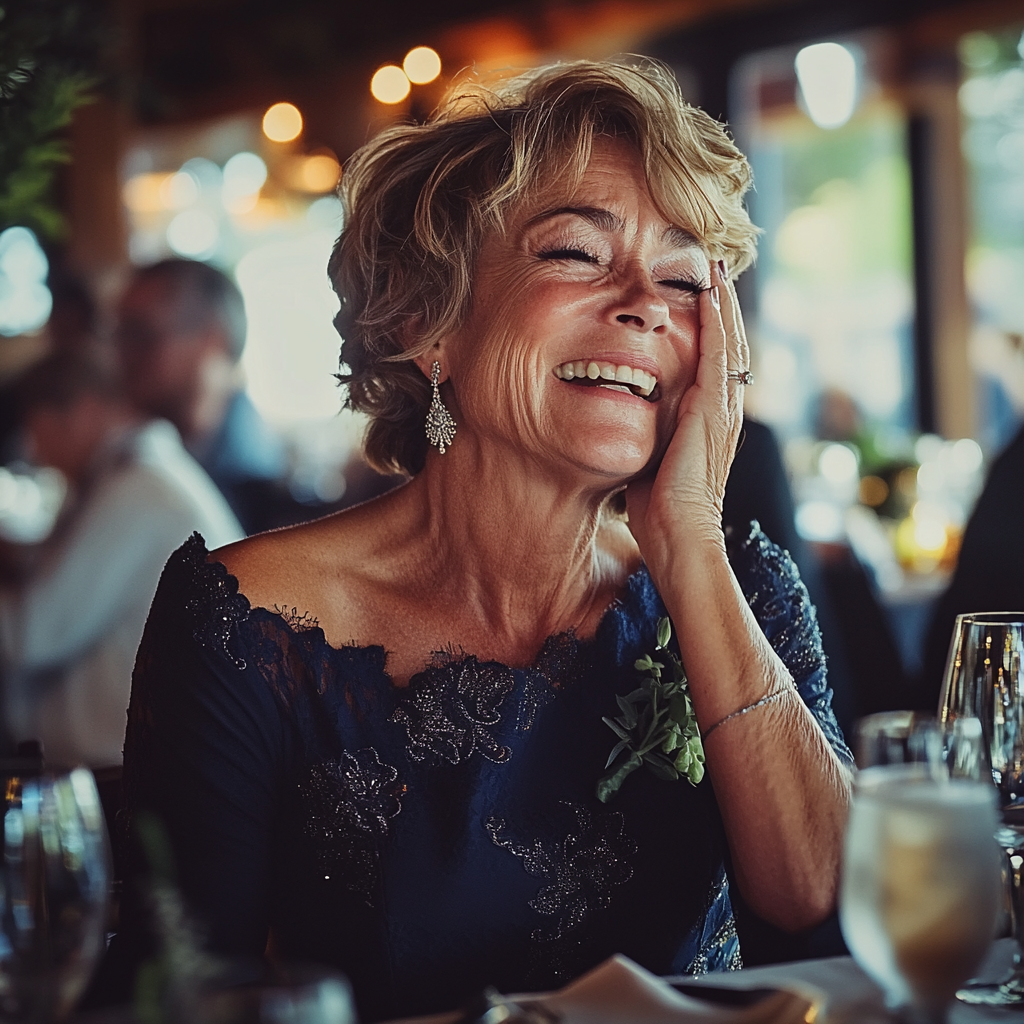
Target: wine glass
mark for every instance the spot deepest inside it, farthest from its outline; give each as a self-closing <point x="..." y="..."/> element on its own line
<point x="921" y="885"/>
<point x="983" y="681"/>
<point x="54" y="882"/>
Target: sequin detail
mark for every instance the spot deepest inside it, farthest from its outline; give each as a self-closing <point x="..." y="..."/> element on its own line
<point x="558" y="666"/>
<point x="349" y="804"/>
<point x="580" y="872"/>
<point x="216" y="606"/>
<point x="720" y="953"/>
<point x="450" y="709"/>
<point x="721" y="950"/>
<point x="779" y="600"/>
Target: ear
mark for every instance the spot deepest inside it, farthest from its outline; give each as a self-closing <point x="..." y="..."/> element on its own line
<point x="426" y="361"/>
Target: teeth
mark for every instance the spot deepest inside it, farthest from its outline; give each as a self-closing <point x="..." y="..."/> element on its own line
<point x="641" y="380"/>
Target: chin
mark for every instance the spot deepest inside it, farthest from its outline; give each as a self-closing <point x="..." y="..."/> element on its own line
<point x="617" y="461"/>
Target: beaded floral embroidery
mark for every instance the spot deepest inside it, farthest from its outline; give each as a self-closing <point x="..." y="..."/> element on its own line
<point x="450" y="709"/>
<point x="780" y="603"/>
<point x="580" y="872"/>
<point x="214" y="602"/>
<point x="721" y="950"/>
<point x="349" y="804"/>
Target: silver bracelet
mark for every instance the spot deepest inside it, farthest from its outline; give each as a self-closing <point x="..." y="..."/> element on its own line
<point x="750" y="707"/>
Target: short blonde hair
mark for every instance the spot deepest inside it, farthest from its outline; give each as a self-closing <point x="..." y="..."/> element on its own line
<point x="420" y="198"/>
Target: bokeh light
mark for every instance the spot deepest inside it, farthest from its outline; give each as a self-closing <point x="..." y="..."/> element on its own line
<point x="244" y="176"/>
<point x="318" y="172"/>
<point x="390" y="84"/>
<point x="282" y="122"/>
<point x="193" y="234"/>
<point x="421" y="65"/>
<point x="179" y="191"/>
<point x="827" y="73"/>
<point x="143" y="193"/>
<point x="25" y="301"/>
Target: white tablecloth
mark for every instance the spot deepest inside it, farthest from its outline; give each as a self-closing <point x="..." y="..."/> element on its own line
<point x="852" y="996"/>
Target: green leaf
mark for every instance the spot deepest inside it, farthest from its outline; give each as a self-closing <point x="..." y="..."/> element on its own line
<point x="628" y="712"/>
<point x="616" y="750"/>
<point x="661" y="767"/>
<point x="609" y="784"/>
<point x="616" y="728"/>
<point x="679" y="708"/>
<point x="664" y="632"/>
<point x="642" y="664"/>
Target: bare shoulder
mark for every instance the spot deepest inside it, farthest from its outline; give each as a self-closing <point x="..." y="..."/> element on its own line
<point x="314" y="566"/>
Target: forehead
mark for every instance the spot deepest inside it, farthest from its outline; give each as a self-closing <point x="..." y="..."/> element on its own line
<point x="612" y="194"/>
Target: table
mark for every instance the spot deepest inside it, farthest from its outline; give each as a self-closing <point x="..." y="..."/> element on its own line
<point x="853" y="997"/>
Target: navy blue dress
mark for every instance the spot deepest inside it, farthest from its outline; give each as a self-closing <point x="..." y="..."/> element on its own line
<point x="436" y="838"/>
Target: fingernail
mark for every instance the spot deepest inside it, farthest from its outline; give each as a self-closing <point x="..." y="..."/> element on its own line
<point x="723" y="270"/>
<point x="714" y="298"/>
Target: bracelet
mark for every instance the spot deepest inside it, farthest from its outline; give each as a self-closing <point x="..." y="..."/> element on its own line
<point x="750" y="707"/>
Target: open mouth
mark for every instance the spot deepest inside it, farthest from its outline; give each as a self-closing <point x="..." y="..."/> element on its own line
<point x="630" y="380"/>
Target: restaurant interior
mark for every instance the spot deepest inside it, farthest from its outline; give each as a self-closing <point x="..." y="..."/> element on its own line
<point x="884" y="312"/>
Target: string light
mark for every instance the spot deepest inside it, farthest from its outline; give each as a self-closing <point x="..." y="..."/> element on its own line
<point x="282" y="122"/>
<point x="422" y="65"/>
<point x="390" y="84"/>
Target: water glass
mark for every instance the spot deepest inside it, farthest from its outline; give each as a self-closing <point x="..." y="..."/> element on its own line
<point x="983" y="681"/>
<point x="921" y="885"/>
<point x="54" y="884"/>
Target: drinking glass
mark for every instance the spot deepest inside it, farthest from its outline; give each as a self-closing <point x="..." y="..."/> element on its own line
<point x="899" y="737"/>
<point x="54" y="882"/>
<point x="921" y="884"/>
<point x="983" y="681"/>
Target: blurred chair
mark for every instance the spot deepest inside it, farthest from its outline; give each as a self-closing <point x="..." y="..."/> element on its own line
<point x="69" y="632"/>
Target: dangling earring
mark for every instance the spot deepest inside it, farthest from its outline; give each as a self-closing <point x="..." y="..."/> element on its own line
<point x="440" y="425"/>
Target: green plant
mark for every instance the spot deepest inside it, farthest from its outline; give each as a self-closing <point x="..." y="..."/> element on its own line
<point x="657" y="728"/>
<point x="49" y="63"/>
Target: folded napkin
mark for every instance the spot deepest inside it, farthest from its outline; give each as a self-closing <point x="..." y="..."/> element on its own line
<point x="620" y="991"/>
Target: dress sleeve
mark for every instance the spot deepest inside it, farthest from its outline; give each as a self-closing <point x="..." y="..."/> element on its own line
<point x="778" y="598"/>
<point x="203" y="752"/>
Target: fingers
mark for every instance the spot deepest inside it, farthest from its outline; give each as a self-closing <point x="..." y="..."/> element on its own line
<point x="713" y="340"/>
<point x="737" y="351"/>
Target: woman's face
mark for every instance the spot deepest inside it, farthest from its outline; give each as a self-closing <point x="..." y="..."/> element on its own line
<point x="583" y="334"/>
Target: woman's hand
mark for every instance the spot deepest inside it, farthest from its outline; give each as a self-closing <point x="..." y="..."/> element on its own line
<point x="682" y="501"/>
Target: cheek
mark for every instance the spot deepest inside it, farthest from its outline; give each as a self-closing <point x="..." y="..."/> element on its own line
<point x="686" y="346"/>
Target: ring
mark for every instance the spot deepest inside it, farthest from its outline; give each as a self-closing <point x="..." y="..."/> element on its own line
<point x="740" y="376"/>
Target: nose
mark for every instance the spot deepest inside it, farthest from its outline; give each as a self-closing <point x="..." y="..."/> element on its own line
<point x="640" y="306"/>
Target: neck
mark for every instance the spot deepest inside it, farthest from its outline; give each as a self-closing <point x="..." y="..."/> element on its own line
<point x="516" y="544"/>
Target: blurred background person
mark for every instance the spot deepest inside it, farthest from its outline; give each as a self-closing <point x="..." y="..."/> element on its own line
<point x="180" y="333"/>
<point x="990" y="570"/>
<point x="69" y="632"/>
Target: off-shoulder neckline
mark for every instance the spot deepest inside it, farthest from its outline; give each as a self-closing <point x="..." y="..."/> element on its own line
<point x="632" y="594"/>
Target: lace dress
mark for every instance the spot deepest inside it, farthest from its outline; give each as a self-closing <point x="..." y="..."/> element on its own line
<point x="440" y="837"/>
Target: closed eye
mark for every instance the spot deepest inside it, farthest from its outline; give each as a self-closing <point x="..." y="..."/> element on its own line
<point x="684" y="285"/>
<point x="568" y="254"/>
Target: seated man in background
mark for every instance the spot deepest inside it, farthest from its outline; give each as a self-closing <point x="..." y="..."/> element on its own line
<point x="69" y="633"/>
<point x="180" y="333"/>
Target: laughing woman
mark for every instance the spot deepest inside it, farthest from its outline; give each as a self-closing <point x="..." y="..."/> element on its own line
<point x="378" y="739"/>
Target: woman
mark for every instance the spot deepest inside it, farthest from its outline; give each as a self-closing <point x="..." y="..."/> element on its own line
<point x="386" y="752"/>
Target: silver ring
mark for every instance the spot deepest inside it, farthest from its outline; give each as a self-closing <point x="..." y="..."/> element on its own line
<point x="740" y="376"/>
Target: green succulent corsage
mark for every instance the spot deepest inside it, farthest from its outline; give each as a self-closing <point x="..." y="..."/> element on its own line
<point x="657" y="727"/>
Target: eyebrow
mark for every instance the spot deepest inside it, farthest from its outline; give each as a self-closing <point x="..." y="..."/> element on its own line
<point x="605" y="220"/>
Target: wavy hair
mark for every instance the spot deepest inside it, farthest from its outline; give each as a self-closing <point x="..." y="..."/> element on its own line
<point x="420" y="198"/>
